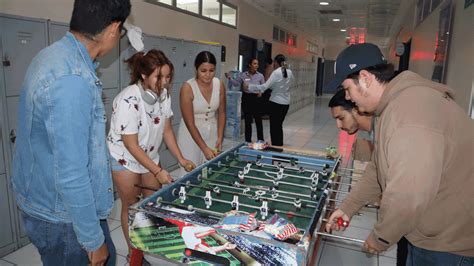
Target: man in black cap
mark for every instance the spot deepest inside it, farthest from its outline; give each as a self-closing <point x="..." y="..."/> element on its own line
<point x="422" y="140"/>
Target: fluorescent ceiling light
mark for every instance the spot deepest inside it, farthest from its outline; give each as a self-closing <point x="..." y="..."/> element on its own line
<point x="343" y="29"/>
<point x="336" y="19"/>
<point x="324" y="3"/>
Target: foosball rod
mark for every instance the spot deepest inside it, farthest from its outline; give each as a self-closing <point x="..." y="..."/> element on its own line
<point x="219" y="164"/>
<point x="276" y="191"/>
<point x="245" y="195"/>
<point x="253" y="207"/>
<point x="284" y="167"/>
<point x="261" y="179"/>
<point x="278" y="196"/>
<point x="281" y="160"/>
<point x="190" y="207"/>
<point x="261" y="188"/>
<point x="341" y="237"/>
<point x="351" y="170"/>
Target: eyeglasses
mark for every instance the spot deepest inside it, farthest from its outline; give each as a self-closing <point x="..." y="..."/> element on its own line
<point x="123" y="31"/>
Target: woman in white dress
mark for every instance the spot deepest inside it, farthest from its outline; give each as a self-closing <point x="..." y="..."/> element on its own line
<point x="140" y="121"/>
<point x="202" y="101"/>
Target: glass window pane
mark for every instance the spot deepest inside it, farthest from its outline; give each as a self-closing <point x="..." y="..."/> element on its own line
<point x="188" y="5"/>
<point x="211" y="9"/>
<point x="275" y="33"/>
<point x="229" y="15"/>
<point x="282" y="36"/>
<point x="168" y="2"/>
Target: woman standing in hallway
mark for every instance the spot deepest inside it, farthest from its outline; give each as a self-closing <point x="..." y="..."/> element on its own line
<point x="251" y="102"/>
<point x="201" y="98"/>
<point x="140" y="121"/>
<point x="279" y="81"/>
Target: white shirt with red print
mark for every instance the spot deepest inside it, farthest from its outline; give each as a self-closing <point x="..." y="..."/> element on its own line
<point x="132" y="115"/>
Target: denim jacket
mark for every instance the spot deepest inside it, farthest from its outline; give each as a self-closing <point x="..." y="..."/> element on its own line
<point x="61" y="168"/>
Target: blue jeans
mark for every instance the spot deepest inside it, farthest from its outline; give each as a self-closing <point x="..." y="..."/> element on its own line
<point x="57" y="242"/>
<point x="421" y="257"/>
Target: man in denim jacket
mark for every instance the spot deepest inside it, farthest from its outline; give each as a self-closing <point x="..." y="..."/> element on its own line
<point x="61" y="172"/>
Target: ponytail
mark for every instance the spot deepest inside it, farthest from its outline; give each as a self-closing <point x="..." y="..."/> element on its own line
<point x="134" y="64"/>
<point x="281" y="61"/>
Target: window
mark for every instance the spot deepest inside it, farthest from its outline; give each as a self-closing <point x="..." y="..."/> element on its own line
<point x="211" y="9"/>
<point x="188" y="5"/>
<point x="229" y="15"/>
<point x="312" y="48"/>
<point x="282" y="35"/>
<point x="215" y="10"/>
<point x="166" y="2"/>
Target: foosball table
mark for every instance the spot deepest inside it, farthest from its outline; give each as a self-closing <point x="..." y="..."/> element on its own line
<point x="244" y="207"/>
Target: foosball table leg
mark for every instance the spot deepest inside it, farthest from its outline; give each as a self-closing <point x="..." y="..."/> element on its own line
<point x="136" y="258"/>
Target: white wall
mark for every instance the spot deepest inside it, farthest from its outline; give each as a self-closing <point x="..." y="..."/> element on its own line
<point x="460" y="67"/>
<point x="460" y="64"/>
<point x="162" y="21"/>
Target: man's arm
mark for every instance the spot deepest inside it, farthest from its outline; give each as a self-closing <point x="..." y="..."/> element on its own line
<point x="415" y="160"/>
<point x="71" y="108"/>
<point x="365" y="190"/>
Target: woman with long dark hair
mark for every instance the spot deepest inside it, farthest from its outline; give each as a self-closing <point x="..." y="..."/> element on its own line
<point x="279" y="81"/>
<point x="202" y="100"/>
<point x="251" y="102"/>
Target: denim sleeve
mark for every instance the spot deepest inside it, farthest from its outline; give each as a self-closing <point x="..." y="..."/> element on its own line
<point x="71" y="106"/>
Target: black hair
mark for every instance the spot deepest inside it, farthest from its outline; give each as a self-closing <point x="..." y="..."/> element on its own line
<point x="383" y="73"/>
<point x="204" y="57"/>
<point x="281" y="61"/>
<point x="250" y="62"/>
<point x="339" y="99"/>
<point x="269" y="61"/>
<point x="91" y="17"/>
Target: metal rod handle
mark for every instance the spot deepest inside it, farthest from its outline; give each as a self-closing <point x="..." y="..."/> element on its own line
<point x="342" y="237"/>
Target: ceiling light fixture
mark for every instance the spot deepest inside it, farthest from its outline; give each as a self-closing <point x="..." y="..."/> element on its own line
<point x="343" y="30"/>
<point x="324" y="3"/>
<point x="336" y="19"/>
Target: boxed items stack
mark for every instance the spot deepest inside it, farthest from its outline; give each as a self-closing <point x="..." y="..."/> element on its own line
<point x="233" y="75"/>
<point x="232" y="125"/>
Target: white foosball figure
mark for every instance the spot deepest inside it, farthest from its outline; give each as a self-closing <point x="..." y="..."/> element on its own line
<point x="182" y="194"/>
<point x="208" y="199"/>
<point x="264" y="209"/>
<point x="235" y="203"/>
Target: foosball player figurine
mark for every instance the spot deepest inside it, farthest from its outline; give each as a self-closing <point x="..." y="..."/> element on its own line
<point x="241" y="176"/>
<point x="235" y="203"/>
<point x="208" y="199"/>
<point x="182" y="194"/>
<point x="297" y="204"/>
<point x="264" y="209"/>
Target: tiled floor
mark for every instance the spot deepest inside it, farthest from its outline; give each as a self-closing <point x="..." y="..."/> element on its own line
<point x="311" y="128"/>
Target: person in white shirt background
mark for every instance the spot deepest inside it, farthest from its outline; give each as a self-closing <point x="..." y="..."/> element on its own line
<point x="141" y="119"/>
<point x="279" y="81"/>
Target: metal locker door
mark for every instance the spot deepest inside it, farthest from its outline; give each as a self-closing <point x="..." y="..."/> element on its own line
<point x="12" y="114"/>
<point x="126" y="50"/>
<point x="153" y="42"/>
<point x="108" y="96"/>
<point x="56" y="31"/>
<point x="6" y="229"/>
<point x="108" y="70"/>
<point x="21" y="40"/>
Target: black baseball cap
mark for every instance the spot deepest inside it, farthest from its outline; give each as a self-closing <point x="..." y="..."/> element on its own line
<point x="353" y="59"/>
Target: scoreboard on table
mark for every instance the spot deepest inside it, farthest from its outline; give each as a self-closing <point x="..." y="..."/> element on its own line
<point x="244" y="207"/>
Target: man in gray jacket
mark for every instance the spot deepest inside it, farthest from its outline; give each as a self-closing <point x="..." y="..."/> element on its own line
<point x="422" y="162"/>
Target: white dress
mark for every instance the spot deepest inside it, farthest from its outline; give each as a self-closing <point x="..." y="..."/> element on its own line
<point x="205" y="121"/>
